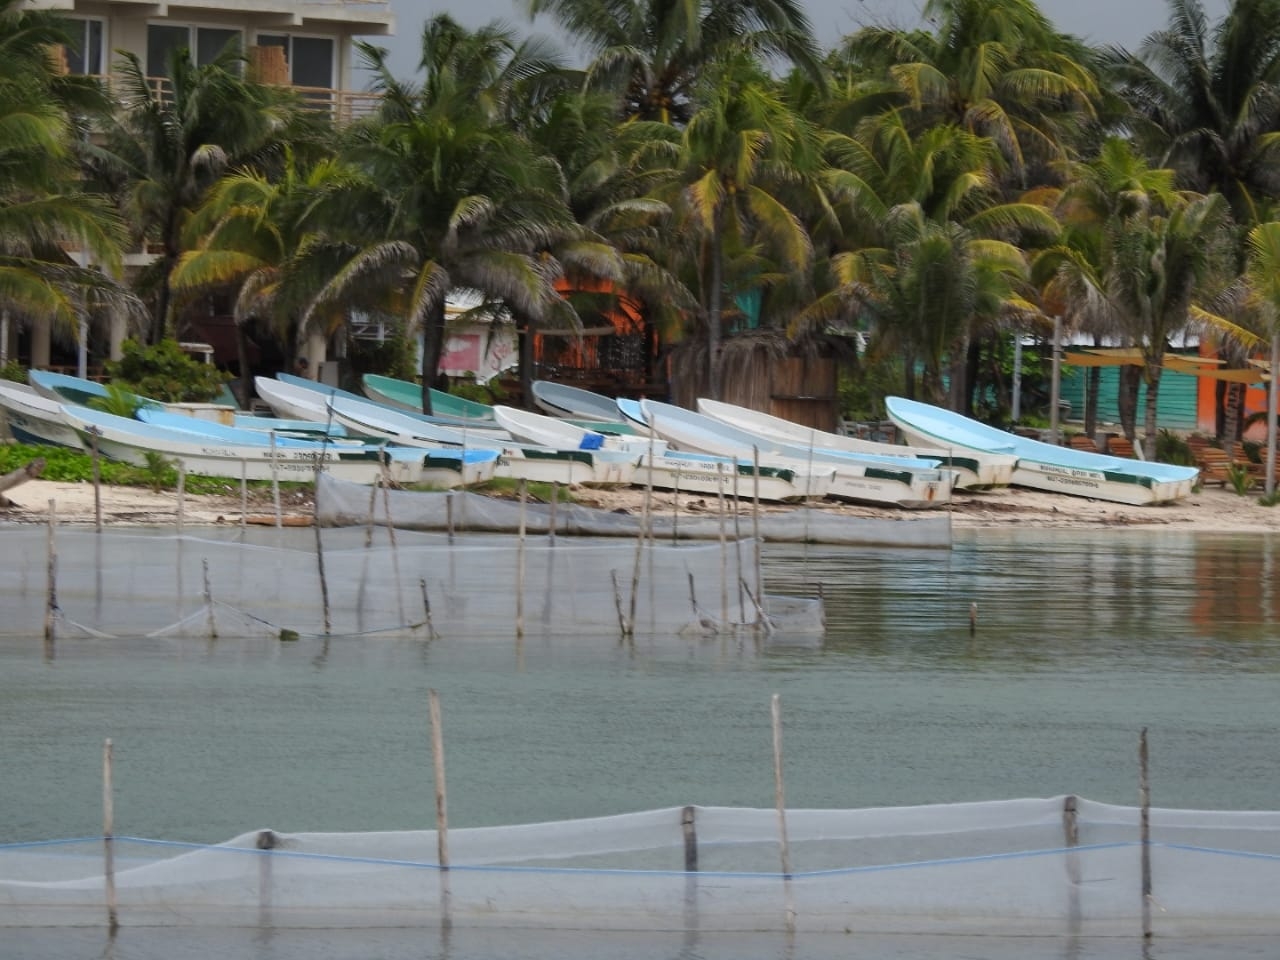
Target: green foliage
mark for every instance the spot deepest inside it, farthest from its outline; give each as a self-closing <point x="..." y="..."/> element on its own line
<point x="13" y="370"/>
<point x="118" y="401"/>
<point x="392" y="357"/>
<point x="75" y="466"/>
<point x="862" y="390"/>
<point x="163" y="372"/>
<point x="490" y="393"/>
<point x="1269" y="499"/>
<point x="1171" y="448"/>
<point x="160" y="471"/>
<point x="1240" y="478"/>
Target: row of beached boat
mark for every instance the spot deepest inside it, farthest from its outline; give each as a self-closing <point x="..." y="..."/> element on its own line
<point x="580" y="438"/>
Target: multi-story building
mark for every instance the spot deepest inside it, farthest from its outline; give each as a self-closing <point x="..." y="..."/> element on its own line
<point x="307" y="44"/>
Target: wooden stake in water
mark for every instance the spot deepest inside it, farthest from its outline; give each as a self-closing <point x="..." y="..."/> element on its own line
<point x="437" y="763"/>
<point x="51" y="596"/>
<point x="391" y="530"/>
<point x="244" y="494"/>
<point x="737" y="545"/>
<point x="275" y="480"/>
<point x="780" y="803"/>
<point x="208" y="600"/>
<point x="108" y="839"/>
<point x="524" y="502"/>
<point x="1144" y="800"/>
<point x="448" y="512"/>
<point x="97" y="480"/>
<point x="426" y="608"/>
<point x="724" y="550"/>
<point x="675" y="509"/>
<point x="182" y="493"/>
<point x="689" y="828"/>
<point x="324" y="583"/>
<point x="755" y="517"/>
<point x="555" y="495"/>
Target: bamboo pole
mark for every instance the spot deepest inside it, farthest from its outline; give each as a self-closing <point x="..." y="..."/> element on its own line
<point x="755" y="518"/>
<point x="108" y="838"/>
<point x="182" y="494"/>
<point x="437" y="764"/>
<point x="689" y="828"/>
<point x="442" y="806"/>
<point x="724" y="549"/>
<point x="324" y="583"/>
<point x="51" y="594"/>
<point x="208" y="599"/>
<point x="275" y="480"/>
<point x="97" y="480"/>
<point x="1144" y="829"/>
<point x="780" y="802"/>
<point x="524" y="502"/>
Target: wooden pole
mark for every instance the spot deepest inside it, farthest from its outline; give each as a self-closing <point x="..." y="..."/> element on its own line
<point x="555" y="495"/>
<point x="623" y="626"/>
<point x="97" y="480"/>
<point x="690" y="831"/>
<point x="275" y="480"/>
<point x="1144" y="829"/>
<point x="524" y="501"/>
<point x="391" y="530"/>
<point x="737" y="544"/>
<point x="51" y="596"/>
<point x="448" y="512"/>
<point x="108" y="838"/>
<point x="437" y="764"/>
<point x="182" y="493"/>
<point x="780" y="802"/>
<point x="1071" y="838"/>
<point x="208" y="600"/>
<point x="324" y="583"/>
<point x="442" y="807"/>
<point x="675" y="507"/>
<point x="755" y="518"/>
<point x="426" y="608"/>
<point x="244" y="494"/>
<point x="724" y="550"/>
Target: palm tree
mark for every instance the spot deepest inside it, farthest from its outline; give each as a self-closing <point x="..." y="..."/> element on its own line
<point x="256" y="234"/>
<point x="1207" y="100"/>
<point x="651" y="53"/>
<point x="44" y="208"/>
<point x="997" y="68"/>
<point x="169" y="147"/>
<point x="451" y="196"/>
<point x="1263" y="277"/>
<point x="744" y="159"/>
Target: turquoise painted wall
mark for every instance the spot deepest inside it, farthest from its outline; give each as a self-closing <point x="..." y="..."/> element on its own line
<point x="1175" y="408"/>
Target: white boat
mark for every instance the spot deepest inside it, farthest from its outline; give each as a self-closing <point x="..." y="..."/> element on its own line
<point x="218" y="451"/>
<point x="974" y="470"/>
<point x="574" y="403"/>
<point x="404" y="395"/>
<point x="702" y="473"/>
<point x="33" y="418"/>
<point x="516" y="459"/>
<point x="1044" y="466"/>
<point x="866" y="478"/>
<point x="551" y="432"/>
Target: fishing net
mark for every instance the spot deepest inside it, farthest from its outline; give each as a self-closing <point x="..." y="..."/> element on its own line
<point x="379" y="581"/>
<point x="343" y="503"/>
<point x="1038" y="866"/>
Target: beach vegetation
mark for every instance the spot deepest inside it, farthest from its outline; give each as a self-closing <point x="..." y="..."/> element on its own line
<point x="165" y="373"/>
<point x="13" y="371"/>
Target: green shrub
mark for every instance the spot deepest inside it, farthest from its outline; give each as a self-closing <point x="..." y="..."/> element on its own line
<point x="1172" y="448"/>
<point x="13" y="370"/>
<point x="1240" y="478"/>
<point x="163" y="372"/>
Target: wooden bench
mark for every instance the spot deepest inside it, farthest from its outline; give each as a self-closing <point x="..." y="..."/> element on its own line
<point x="1121" y="447"/>
<point x="1080" y="441"/>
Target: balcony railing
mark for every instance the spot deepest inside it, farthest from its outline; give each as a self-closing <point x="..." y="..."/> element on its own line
<point x="342" y="106"/>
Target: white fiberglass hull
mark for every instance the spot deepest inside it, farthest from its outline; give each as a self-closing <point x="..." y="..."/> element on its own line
<point x="690" y="473"/>
<point x="34" y="418"/>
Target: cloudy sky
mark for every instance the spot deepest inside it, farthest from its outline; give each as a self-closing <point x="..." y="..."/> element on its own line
<point x="1124" y="22"/>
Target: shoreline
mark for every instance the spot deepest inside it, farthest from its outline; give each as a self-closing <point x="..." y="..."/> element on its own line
<point x="1212" y="510"/>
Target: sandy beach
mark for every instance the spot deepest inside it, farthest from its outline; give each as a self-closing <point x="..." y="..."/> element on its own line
<point x="1211" y="510"/>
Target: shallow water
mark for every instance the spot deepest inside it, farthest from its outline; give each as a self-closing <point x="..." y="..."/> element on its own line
<point x="1081" y="640"/>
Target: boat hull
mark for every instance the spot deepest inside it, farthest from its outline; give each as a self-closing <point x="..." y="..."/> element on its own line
<point x="685" y="474"/>
<point x="35" y="419"/>
<point x="1043" y="466"/>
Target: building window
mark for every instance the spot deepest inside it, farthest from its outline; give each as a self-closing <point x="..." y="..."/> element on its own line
<point x="310" y="59"/>
<point x="84" y="52"/>
<point x="205" y="43"/>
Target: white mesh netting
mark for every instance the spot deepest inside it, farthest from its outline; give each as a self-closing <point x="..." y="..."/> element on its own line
<point x="1004" y="867"/>
<point x="378" y="581"/>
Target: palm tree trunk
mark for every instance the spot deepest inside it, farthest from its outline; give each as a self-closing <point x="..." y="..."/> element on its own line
<point x="432" y="345"/>
<point x="1130" y="379"/>
<point x="1092" y="388"/>
<point x="713" y="314"/>
<point x="1152" y="417"/>
<point x="242" y="358"/>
